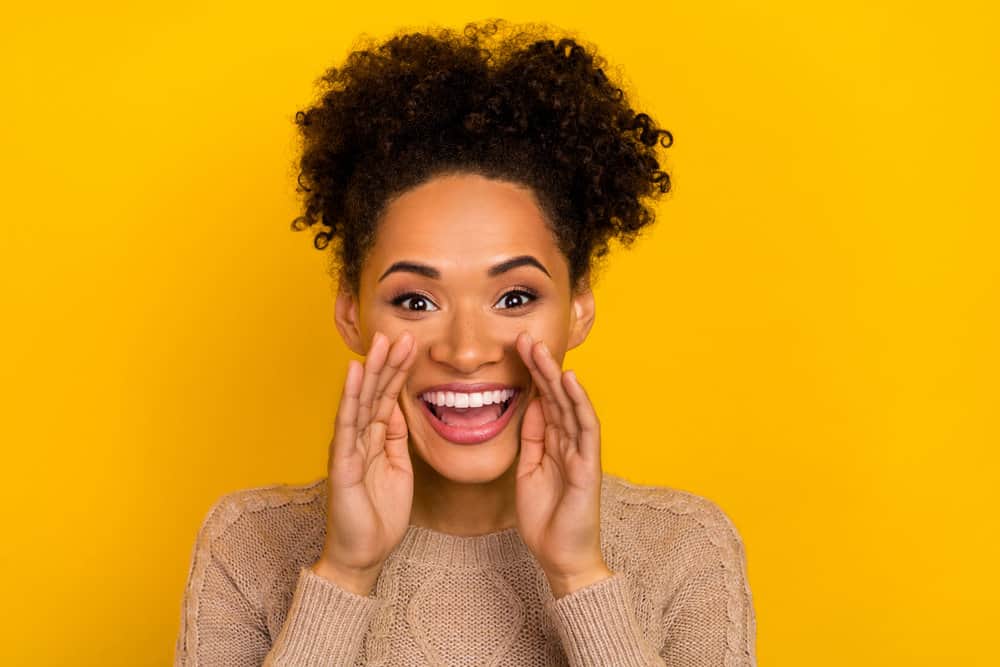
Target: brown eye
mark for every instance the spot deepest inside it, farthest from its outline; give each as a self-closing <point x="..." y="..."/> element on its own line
<point x="515" y="299"/>
<point x="414" y="302"/>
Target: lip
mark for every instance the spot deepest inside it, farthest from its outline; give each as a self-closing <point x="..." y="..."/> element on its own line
<point x="478" y="434"/>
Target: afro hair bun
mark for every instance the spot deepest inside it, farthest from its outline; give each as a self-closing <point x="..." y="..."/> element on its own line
<point x="509" y="104"/>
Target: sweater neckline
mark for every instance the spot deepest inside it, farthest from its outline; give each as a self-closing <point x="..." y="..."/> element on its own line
<point x="430" y="547"/>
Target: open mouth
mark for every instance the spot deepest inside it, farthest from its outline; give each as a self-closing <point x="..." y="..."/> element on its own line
<point x="469" y="409"/>
<point x="469" y="418"/>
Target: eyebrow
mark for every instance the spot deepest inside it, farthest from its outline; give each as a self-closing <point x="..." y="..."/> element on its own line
<point x="431" y="272"/>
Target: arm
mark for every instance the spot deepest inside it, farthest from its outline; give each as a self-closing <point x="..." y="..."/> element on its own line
<point x="328" y="616"/>
<point x="709" y="622"/>
<point x="711" y="619"/>
<point x="319" y="606"/>
<point x="220" y="625"/>
<point x="597" y="626"/>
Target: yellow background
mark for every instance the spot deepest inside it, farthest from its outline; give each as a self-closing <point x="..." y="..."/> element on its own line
<point x="808" y="336"/>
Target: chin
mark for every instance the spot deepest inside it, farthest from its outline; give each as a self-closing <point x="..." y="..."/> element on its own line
<point x="463" y="464"/>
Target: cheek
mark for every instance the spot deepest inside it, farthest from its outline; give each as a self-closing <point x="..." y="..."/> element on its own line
<point x="382" y="318"/>
<point x="550" y="326"/>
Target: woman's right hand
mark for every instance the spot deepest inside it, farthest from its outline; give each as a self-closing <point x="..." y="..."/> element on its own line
<point x="370" y="483"/>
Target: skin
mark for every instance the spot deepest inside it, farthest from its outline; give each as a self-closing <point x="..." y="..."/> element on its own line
<point x="388" y="467"/>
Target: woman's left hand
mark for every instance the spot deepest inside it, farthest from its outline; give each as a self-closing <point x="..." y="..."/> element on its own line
<point x="559" y="475"/>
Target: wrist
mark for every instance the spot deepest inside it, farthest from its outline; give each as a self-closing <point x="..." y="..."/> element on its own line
<point x="357" y="581"/>
<point x="563" y="584"/>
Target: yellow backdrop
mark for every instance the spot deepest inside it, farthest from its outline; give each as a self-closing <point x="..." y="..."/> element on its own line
<point x="808" y="336"/>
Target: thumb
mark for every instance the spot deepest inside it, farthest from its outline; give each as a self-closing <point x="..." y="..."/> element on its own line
<point x="395" y="438"/>
<point x="397" y="424"/>
<point x="532" y="436"/>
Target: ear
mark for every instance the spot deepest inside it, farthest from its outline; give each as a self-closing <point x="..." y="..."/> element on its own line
<point x="346" y="316"/>
<point x="582" y="315"/>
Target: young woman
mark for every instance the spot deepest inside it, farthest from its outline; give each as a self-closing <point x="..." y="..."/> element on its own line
<point x="469" y="183"/>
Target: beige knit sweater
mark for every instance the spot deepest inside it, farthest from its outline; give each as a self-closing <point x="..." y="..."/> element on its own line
<point x="679" y="596"/>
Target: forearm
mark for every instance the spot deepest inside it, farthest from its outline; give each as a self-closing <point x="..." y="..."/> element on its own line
<point x="326" y="622"/>
<point x="597" y="626"/>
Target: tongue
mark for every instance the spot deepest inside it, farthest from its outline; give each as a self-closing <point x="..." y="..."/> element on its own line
<point x="468" y="417"/>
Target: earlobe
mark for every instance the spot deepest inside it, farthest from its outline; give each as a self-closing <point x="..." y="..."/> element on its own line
<point x="346" y="316"/>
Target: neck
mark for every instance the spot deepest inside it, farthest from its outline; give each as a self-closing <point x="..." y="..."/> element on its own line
<point x="461" y="508"/>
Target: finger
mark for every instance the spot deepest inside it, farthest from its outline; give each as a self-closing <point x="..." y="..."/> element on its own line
<point x="550" y="370"/>
<point x="398" y="351"/>
<point x="551" y="411"/>
<point x="532" y="438"/>
<point x="396" y="449"/>
<point x="524" y="346"/>
<point x="373" y="365"/>
<point x="347" y="412"/>
<point x="590" y="425"/>
<point x="389" y="396"/>
<point x="395" y="432"/>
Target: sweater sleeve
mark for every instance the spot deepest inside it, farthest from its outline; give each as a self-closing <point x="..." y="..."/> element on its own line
<point x="222" y="624"/>
<point x="597" y="626"/>
<point x="325" y="625"/>
<point x="708" y="622"/>
<point x="218" y="623"/>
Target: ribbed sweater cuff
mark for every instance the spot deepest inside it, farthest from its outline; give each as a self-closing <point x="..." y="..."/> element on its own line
<point x="597" y="626"/>
<point x="325" y="624"/>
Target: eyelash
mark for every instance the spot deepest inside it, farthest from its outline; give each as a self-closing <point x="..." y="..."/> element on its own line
<point x="398" y="299"/>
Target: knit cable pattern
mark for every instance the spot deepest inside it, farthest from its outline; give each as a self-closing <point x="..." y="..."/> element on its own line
<point x="680" y="595"/>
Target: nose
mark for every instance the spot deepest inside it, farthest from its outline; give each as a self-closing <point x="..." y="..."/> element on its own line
<point x="467" y="341"/>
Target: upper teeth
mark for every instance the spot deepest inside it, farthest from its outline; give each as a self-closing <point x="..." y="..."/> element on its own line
<point x="475" y="399"/>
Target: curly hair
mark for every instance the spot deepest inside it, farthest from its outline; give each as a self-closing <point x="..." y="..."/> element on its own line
<point x="524" y="108"/>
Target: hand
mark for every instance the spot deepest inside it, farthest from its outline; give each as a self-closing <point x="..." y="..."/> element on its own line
<point x="559" y="475"/>
<point x="370" y="484"/>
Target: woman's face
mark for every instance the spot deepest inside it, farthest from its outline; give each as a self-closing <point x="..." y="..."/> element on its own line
<point x="466" y="263"/>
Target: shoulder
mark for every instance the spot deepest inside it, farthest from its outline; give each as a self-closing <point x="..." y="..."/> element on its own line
<point x="669" y="529"/>
<point x="255" y="534"/>
<point x="263" y="503"/>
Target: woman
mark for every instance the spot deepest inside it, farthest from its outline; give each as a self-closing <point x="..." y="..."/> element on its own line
<point x="469" y="184"/>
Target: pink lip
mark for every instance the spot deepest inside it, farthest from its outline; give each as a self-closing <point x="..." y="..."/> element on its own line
<point x="470" y="436"/>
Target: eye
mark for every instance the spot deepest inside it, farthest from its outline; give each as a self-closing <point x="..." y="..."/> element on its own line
<point x="516" y="298"/>
<point x="414" y="302"/>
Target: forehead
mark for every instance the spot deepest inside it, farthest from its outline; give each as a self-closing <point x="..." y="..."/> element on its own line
<point x="462" y="224"/>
